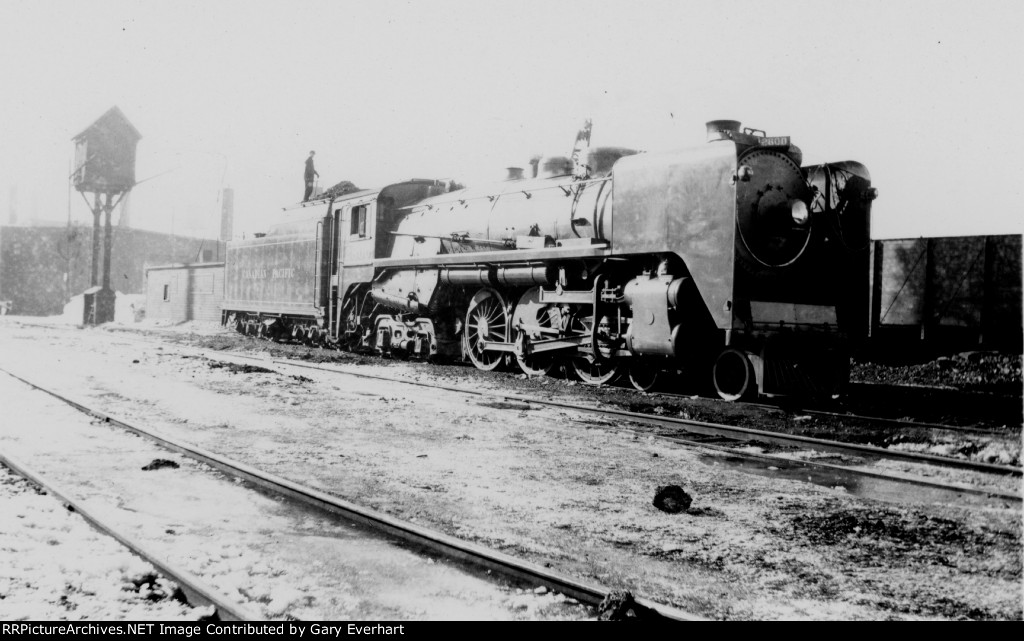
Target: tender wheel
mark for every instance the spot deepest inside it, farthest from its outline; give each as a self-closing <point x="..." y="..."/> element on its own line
<point x="486" y="321"/>
<point x="530" y="311"/>
<point x="644" y="376"/>
<point x="734" y="376"/>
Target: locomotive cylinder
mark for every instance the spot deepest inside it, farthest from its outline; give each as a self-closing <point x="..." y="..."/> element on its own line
<point x="651" y="331"/>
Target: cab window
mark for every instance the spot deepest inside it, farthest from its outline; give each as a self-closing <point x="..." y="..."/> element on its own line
<point x="358" y="221"/>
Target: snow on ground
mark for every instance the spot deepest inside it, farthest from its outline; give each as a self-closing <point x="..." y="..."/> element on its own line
<point x="274" y="558"/>
<point x="128" y="308"/>
<point x="559" y="488"/>
<point x="997" y="453"/>
<point x="55" y="566"/>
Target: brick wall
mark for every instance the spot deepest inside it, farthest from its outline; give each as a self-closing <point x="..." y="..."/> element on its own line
<point x="35" y="260"/>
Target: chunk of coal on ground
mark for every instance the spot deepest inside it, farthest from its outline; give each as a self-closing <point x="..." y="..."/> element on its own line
<point x="235" y="368"/>
<point x="620" y="606"/>
<point x="159" y="463"/>
<point x="672" y="499"/>
<point x="142" y="579"/>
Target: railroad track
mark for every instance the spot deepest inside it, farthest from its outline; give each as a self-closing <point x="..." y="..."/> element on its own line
<point x="197" y="592"/>
<point x="715" y="435"/>
<point x="786" y="406"/>
<point x="433" y="542"/>
<point x="699" y="427"/>
<point x="719" y="437"/>
<point x="849" y="416"/>
<point x="128" y="334"/>
<point x="899" y="422"/>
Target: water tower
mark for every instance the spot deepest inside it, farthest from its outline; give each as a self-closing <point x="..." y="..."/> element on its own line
<point x="104" y="167"/>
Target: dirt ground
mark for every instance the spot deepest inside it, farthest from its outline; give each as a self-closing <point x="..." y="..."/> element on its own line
<point x="558" y="488"/>
<point x="1000" y="413"/>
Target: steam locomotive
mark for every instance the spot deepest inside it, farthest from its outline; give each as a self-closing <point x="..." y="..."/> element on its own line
<point x="730" y="261"/>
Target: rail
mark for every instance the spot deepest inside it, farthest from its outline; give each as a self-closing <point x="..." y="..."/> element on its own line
<point x="196" y="591"/>
<point x="464" y="551"/>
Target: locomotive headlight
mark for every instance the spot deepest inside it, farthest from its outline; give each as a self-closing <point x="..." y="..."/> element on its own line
<point x="798" y="209"/>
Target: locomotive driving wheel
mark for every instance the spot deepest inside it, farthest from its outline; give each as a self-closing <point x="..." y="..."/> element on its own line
<point x="590" y="369"/>
<point x="530" y="311"/>
<point x="486" y="322"/>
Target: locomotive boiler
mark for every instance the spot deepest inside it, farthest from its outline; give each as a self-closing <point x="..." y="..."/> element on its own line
<point x="730" y="261"/>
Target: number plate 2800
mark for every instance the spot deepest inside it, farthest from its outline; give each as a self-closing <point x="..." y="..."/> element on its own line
<point x="773" y="141"/>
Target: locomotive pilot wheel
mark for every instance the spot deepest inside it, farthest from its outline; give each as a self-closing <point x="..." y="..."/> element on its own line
<point x="593" y="371"/>
<point x="644" y="375"/>
<point x="734" y="376"/>
<point x="486" y="321"/>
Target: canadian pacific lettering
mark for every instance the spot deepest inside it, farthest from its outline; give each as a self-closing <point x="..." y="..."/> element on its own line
<point x="263" y="274"/>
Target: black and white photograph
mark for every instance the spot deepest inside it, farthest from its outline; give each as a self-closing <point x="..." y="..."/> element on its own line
<point x="339" y="317"/>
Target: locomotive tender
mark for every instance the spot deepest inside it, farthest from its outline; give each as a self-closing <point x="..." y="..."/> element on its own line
<point x="729" y="261"/>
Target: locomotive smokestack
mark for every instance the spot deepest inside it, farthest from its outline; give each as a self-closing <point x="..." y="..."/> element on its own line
<point x="722" y="129"/>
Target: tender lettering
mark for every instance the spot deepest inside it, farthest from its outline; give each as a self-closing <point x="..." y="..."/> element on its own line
<point x="263" y="274"/>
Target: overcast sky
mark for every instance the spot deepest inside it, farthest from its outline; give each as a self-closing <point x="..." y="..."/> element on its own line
<point x="927" y="94"/>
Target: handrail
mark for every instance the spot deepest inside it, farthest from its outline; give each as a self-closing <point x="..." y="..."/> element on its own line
<point x="316" y="263"/>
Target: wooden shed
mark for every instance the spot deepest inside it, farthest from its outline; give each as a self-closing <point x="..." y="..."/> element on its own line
<point x="179" y="293"/>
<point x="105" y="155"/>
